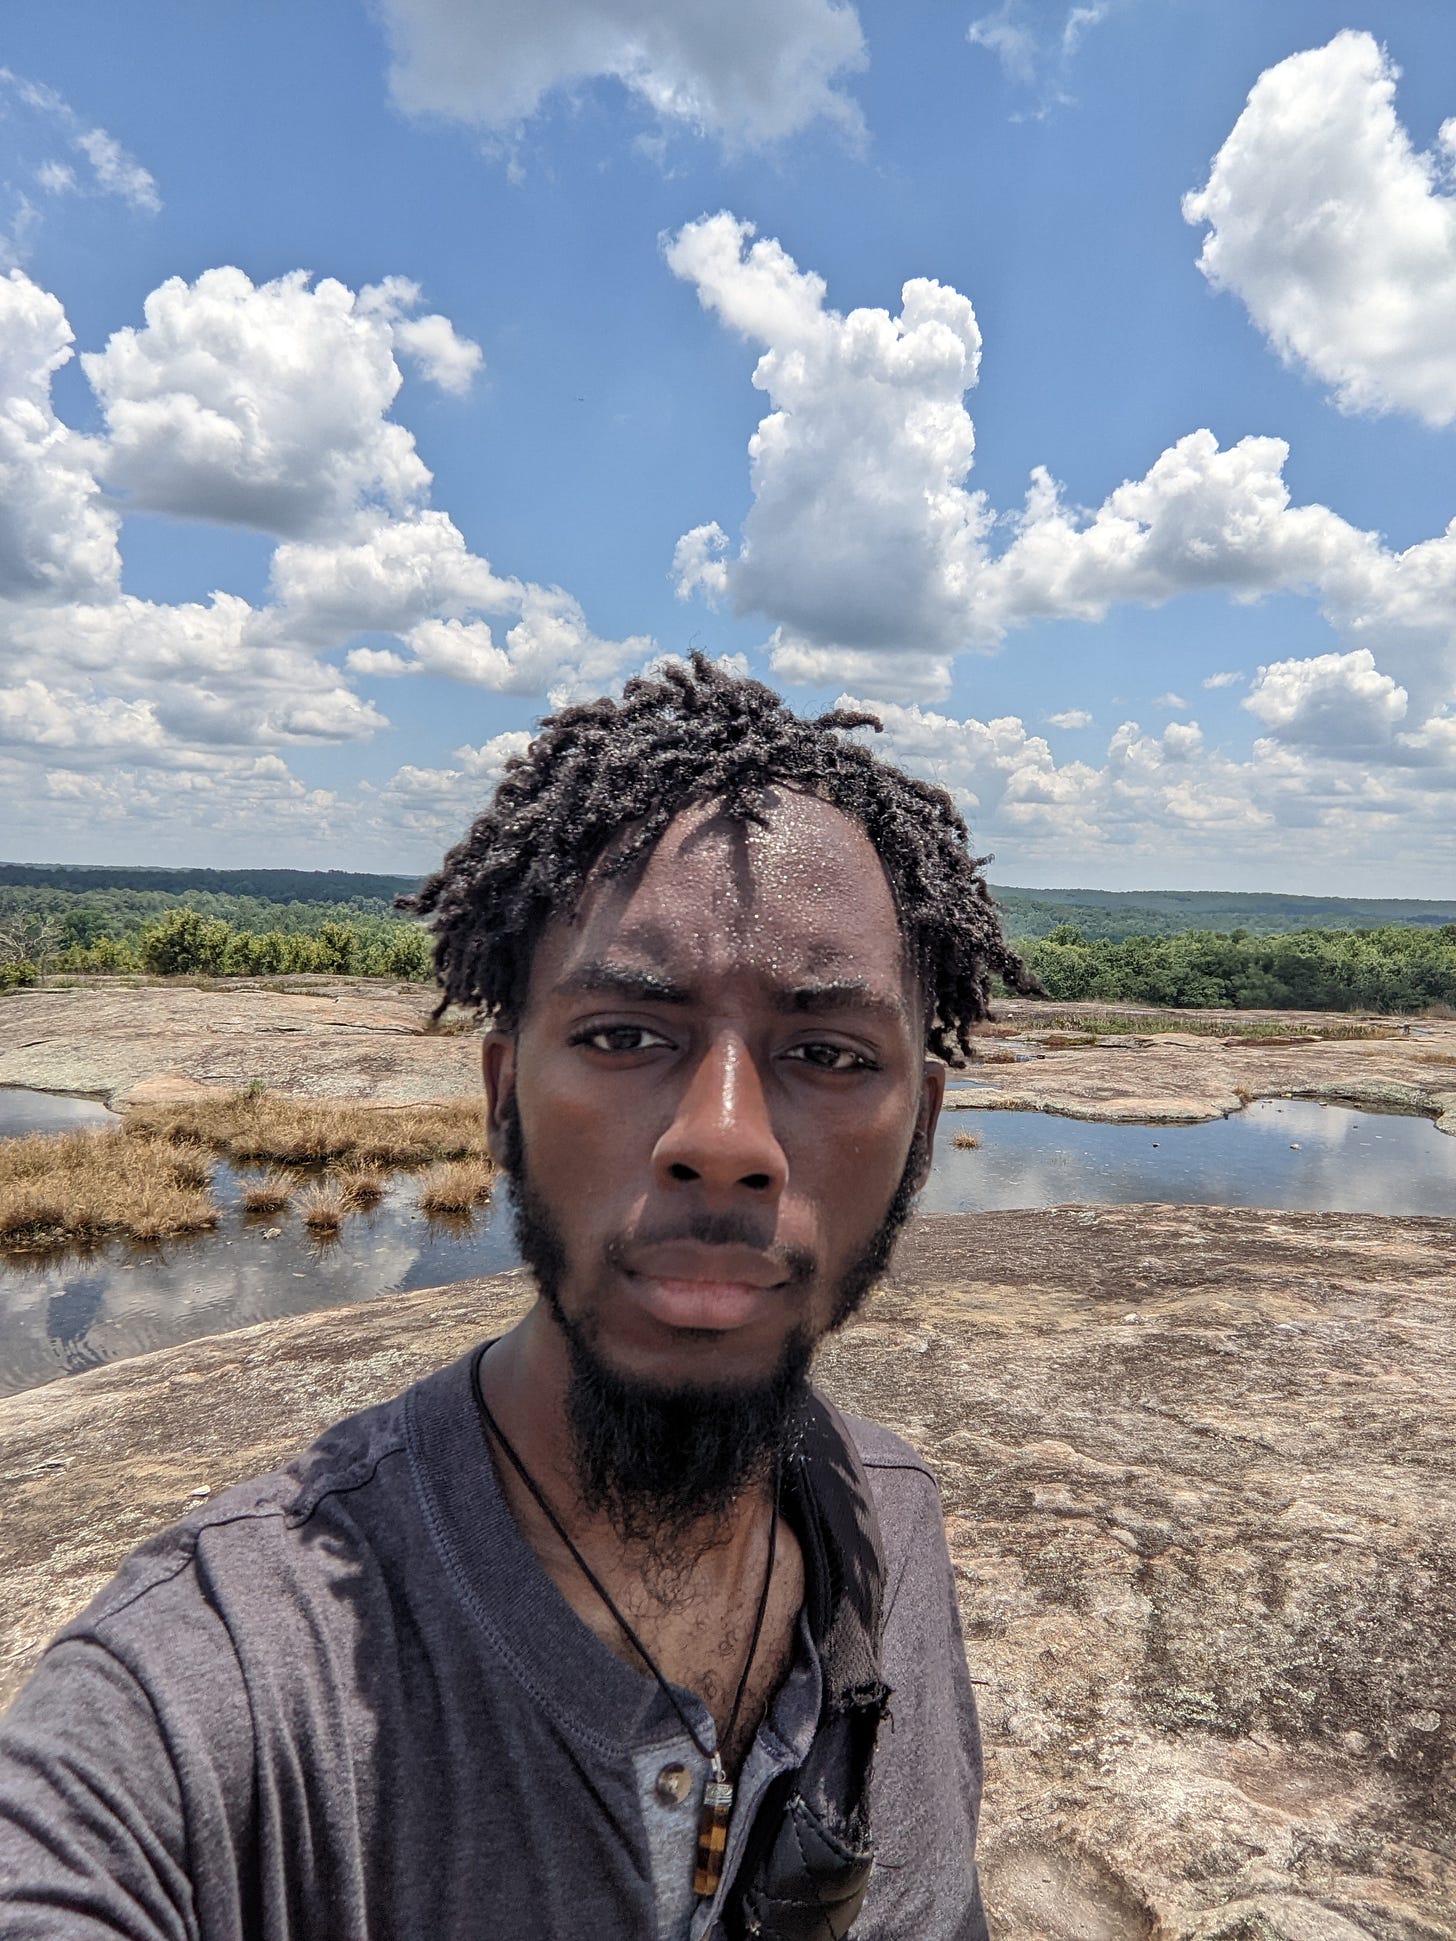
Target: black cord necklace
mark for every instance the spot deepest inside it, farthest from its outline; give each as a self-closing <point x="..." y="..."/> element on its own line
<point x="718" y="1793"/>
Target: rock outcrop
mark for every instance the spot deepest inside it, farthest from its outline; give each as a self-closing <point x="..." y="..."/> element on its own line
<point x="1196" y="1468"/>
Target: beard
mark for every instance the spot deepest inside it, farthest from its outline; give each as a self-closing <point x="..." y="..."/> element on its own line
<point x="663" y="1462"/>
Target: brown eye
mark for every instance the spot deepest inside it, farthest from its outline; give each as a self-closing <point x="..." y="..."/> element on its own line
<point x="619" y="1038"/>
<point x="830" y="1058"/>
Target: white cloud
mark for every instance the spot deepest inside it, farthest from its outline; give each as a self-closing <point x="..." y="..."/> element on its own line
<point x="118" y="173"/>
<point x="1336" y="233"/>
<point x="1070" y="718"/>
<point x="1006" y="34"/>
<point x="1161" y="803"/>
<point x="1034" y="51"/>
<point x="1341" y="702"/>
<point x="435" y="806"/>
<point x="749" y="74"/>
<point x="237" y="403"/>
<point x="861" y="532"/>
<point x="432" y="343"/>
<point x="256" y="406"/>
<point x="36" y="118"/>
<point x="57" y="536"/>
<point x="1229" y="677"/>
<point x="876" y="565"/>
<point x="385" y="576"/>
<point x="1173" y="701"/>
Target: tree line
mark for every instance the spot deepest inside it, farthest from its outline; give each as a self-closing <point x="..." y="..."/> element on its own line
<point x="1391" y="968"/>
<point x="1394" y="967"/>
<point x="188" y="943"/>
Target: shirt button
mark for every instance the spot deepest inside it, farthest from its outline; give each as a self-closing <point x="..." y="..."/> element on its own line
<point x="674" y="1783"/>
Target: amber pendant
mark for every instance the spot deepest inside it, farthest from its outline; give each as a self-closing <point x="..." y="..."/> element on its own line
<point x="713" y="1831"/>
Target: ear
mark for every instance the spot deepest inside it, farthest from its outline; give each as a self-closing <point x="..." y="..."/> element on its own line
<point x="498" y="1069"/>
<point x="932" y="1093"/>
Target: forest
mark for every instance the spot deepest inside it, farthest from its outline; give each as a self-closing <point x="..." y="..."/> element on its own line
<point x="1186" y="949"/>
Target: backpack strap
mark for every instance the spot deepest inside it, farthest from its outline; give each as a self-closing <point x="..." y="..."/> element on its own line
<point x="806" y="1868"/>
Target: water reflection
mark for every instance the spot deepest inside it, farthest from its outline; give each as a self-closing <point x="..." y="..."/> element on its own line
<point x="1278" y="1153"/>
<point x="23" y="1111"/>
<point x="60" y="1314"/>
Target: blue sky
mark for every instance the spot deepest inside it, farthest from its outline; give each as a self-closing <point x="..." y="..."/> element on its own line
<point x="375" y="378"/>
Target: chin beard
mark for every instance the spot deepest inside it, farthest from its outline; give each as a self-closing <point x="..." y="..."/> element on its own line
<point x="662" y="1462"/>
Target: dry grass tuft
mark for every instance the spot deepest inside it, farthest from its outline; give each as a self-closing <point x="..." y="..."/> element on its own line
<point x="254" y="1124"/>
<point x="270" y="1194"/>
<point x="994" y="1058"/>
<point x="967" y="1141"/>
<point x="458" y="1187"/>
<point x="1244" y="1094"/>
<point x="1065" y="1040"/>
<point x="1234" y="1027"/>
<point x="359" y="1186"/>
<point x="323" y="1207"/>
<point x="60" y="1188"/>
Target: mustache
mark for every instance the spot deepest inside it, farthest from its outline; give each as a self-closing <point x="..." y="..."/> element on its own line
<point x="735" y="1229"/>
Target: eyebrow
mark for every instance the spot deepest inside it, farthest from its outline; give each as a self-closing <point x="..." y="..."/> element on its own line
<point x="847" y="994"/>
<point x="602" y="979"/>
<point x="630" y="982"/>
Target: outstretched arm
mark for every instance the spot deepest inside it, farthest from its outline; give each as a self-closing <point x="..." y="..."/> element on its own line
<point x="93" y="1840"/>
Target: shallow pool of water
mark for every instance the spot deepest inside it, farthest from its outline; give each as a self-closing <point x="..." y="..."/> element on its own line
<point x="1277" y="1153"/>
<point x="22" y="1112"/>
<point x="61" y="1315"/>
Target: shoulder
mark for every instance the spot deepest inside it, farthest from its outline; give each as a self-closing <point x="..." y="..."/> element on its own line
<point x="246" y="1534"/>
<point x="880" y="1448"/>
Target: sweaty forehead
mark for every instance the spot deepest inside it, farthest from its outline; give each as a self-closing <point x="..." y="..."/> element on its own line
<point x="803" y="893"/>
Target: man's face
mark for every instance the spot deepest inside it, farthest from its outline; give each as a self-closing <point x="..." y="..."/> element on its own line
<point x="718" y="1076"/>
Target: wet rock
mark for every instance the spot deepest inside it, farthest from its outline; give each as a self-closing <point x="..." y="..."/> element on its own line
<point x="1206" y="1563"/>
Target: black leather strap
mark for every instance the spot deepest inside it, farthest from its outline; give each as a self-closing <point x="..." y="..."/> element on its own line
<point x="810" y="1853"/>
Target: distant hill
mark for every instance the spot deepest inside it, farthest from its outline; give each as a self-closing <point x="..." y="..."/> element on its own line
<point x="273" y="885"/>
<point x="1166" y="913"/>
<point x="1108" y="914"/>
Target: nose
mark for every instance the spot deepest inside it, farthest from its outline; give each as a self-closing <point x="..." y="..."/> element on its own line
<point x="722" y="1133"/>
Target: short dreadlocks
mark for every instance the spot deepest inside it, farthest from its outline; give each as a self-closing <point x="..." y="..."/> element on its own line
<point x="624" y="769"/>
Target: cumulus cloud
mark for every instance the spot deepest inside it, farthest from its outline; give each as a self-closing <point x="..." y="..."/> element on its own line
<point x="258" y="406"/>
<point x="262" y="406"/>
<point x="750" y="74"/>
<point x="1166" y="801"/>
<point x="57" y="536"/>
<point x="1341" y="702"/>
<point x="1173" y="701"/>
<point x="437" y="805"/>
<point x="861" y="532"/>
<point x="431" y="342"/>
<point x="1336" y="233"/>
<point x="1227" y="677"/>
<point x="1070" y="718"/>
<point x="550" y="650"/>
<point x="385" y="575"/>
<point x="876" y="565"/>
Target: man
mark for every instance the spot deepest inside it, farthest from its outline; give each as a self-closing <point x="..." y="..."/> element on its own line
<point x="592" y="1633"/>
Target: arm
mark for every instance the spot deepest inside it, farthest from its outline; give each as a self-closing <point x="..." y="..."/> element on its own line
<point x="926" y="1787"/>
<point x="93" y="1842"/>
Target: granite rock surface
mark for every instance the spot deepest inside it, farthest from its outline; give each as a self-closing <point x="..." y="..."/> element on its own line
<point x="1196" y="1469"/>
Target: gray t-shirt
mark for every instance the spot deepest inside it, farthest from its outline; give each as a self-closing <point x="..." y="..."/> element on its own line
<point x="345" y="1701"/>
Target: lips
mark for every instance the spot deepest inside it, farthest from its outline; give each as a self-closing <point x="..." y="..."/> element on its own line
<point x="684" y="1284"/>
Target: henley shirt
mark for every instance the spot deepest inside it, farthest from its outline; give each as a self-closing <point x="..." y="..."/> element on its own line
<point x="345" y="1701"/>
